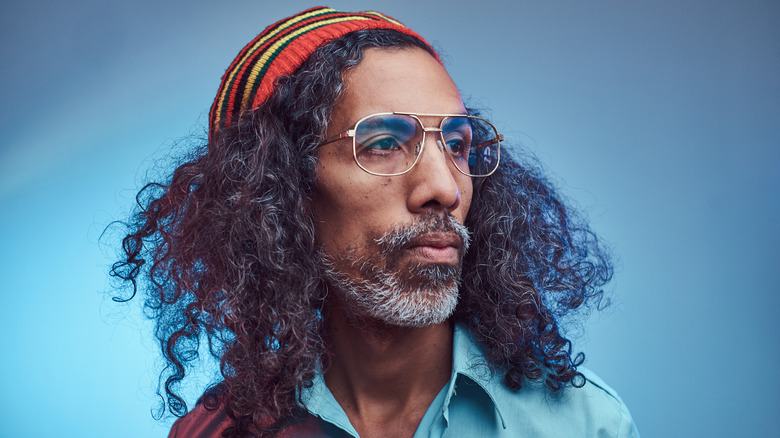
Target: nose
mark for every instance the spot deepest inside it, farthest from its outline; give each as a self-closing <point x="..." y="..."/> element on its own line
<point x="434" y="179"/>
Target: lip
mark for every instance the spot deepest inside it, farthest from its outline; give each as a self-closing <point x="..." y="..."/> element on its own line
<point x="437" y="247"/>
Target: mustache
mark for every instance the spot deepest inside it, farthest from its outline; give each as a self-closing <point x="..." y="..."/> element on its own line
<point x="402" y="236"/>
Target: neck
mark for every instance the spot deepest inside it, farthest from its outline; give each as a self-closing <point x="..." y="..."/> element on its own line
<point x="378" y="371"/>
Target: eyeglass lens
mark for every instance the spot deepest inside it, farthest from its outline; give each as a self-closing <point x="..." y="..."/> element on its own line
<point x="389" y="143"/>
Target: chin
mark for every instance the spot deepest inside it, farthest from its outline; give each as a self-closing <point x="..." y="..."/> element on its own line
<point x="420" y="296"/>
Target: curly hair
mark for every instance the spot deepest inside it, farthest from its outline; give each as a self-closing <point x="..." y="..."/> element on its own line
<point x="225" y="251"/>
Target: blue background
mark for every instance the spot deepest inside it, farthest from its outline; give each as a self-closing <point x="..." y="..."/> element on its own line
<point x="661" y="119"/>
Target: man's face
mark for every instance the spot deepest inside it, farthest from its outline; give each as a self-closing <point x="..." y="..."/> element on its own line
<point x="393" y="245"/>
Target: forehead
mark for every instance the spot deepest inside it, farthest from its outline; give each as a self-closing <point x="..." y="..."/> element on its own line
<point x="387" y="80"/>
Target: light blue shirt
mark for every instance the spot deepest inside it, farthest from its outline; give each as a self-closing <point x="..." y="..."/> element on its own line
<point x="474" y="403"/>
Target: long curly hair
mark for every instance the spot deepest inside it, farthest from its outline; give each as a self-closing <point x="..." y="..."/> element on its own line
<point x="225" y="252"/>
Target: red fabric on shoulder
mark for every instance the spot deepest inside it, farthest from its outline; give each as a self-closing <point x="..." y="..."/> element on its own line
<point x="200" y="423"/>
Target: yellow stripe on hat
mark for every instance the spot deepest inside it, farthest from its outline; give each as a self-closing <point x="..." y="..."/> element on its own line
<point x="248" y="54"/>
<point x="271" y="51"/>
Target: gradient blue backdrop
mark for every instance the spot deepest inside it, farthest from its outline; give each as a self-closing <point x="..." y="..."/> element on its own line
<point x="660" y="118"/>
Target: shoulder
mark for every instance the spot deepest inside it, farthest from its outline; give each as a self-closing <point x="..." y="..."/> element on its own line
<point x="600" y="394"/>
<point x="593" y="410"/>
<point x="201" y="422"/>
<point x="209" y="420"/>
<point x="606" y="410"/>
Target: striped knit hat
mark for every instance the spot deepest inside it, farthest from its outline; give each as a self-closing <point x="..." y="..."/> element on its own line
<point x="279" y="50"/>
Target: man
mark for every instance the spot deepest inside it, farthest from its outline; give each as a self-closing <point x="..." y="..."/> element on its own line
<point x="362" y="258"/>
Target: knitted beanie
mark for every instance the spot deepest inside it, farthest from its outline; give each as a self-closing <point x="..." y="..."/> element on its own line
<point x="279" y="50"/>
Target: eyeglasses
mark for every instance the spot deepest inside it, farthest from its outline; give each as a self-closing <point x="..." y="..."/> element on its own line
<point x="390" y="144"/>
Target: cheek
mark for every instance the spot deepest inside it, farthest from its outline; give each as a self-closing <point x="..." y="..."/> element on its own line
<point x="344" y="208"/>
<point x="466" y="192"/>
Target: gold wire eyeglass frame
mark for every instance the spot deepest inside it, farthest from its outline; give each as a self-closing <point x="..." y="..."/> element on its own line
<point x="351" y="133"/>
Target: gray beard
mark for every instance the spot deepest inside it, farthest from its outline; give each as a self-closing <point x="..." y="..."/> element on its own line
<point x="421" y="295"/>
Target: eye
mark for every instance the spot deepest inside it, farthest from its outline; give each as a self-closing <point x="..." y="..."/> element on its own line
<point x="457" y="144"/>
<point x="457" y="147"/>
<point x="381" y="143"/>
<point x="380" y="147"/>
<point x="384" y="136"/>
<point x="456" y="132"/>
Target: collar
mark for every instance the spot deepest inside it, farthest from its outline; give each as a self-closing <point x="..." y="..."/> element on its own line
<point x="319" y="401"/>
<point x="468" y="362"/>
